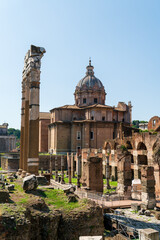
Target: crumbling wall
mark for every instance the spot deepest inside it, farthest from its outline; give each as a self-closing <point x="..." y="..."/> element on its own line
<point x="54" y="225"/>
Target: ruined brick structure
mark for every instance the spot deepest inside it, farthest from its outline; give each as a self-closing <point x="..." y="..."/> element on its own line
<point x="141" y="147"/>
<point x="91" y="171"/>
<point x="29" y="159"/>
<point x="44" y="121"/>
<point x="88" y="122"/>
<point x="7" y="143"/>
<point x="154" y="123"/>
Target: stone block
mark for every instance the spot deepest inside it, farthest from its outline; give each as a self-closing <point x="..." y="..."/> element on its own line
<point x="30" y="183"/>
<point x="4" y="196"/>
<point x="135" y="207"/>
<point x="42" y="180"/>
<point x="147" y="213"/>
<point x="148" y="204"/>
<point x="157" y="215"/>
<point x="148" y="234"/>
<point x="10" y="187"/>
<point x="136" y="195"/>
<point x="148" y="189"/>
<point x="148" y="183"/>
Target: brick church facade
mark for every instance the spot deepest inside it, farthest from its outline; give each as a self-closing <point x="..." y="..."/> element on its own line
<point x="89" y="122"/>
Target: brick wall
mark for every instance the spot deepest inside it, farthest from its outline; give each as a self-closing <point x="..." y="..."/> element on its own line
<point x="44" y="162"/>
<point x="9" y="164"/>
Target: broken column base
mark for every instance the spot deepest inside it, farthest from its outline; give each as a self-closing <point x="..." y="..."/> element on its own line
<point x="136" y="195"/>
<point x="148" y="202"/>
<point x="124" y="191"/>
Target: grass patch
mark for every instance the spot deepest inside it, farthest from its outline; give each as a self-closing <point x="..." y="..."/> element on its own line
<point x="66" y="179"/>
<point x="59" y="200"/>
<point x="18" y="187"/>
<point x="56" y="199"/>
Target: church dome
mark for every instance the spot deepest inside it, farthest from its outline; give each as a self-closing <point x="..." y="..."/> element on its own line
<point x="89" y="90"/>
<point x="90" y="81"/>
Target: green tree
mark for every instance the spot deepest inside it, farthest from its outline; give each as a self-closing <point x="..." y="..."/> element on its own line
<point x="15" y="132"/>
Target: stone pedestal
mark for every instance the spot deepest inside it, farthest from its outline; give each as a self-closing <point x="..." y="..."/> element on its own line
<point x="92" y="176"/>
<point x="148" y="187"/>
<point x="124" y="177"/>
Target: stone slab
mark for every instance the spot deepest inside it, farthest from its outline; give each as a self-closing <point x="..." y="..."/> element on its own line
<point x="91" y="238"/>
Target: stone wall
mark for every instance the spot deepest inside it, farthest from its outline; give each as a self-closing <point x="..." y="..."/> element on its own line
<point x="43" y="135"/>
<point x="7" y="143"/>
<point x="10" y="162"/>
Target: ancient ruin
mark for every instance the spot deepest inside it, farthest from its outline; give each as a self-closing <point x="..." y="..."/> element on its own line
<point x="29" y="152"/>
<point x="7" y="143"/>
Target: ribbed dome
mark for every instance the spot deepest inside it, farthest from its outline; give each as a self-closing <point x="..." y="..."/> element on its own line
<point x="89" y="90"/>
<point x="90" y="80"/>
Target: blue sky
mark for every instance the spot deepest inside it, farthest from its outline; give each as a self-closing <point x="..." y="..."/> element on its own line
<point x="122" y="37"/>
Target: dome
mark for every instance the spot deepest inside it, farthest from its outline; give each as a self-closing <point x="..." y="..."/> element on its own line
<point x="89" y="90"/>
<point x="90" y="80"/>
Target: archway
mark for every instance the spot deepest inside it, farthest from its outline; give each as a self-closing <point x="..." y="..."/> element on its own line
<point x="142" y="154"/>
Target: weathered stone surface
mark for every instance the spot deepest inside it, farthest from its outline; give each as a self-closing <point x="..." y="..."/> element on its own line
<point x="52" y="225"/>
<point x="42" y="180"/>
<point x="135" y="206"/>
<point x="4" y="196"/>
<point x="72" y="197"/>
<point x="30" y="183"/>
<point x="147" y="213"/>
<point x="38" y="204"/>
<point x="10" y="187"/>
<point x="149" y="234"/>
<point x="141" y="212"/>
<point x="157" y="215"/>
<point x="88" y="223"/>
